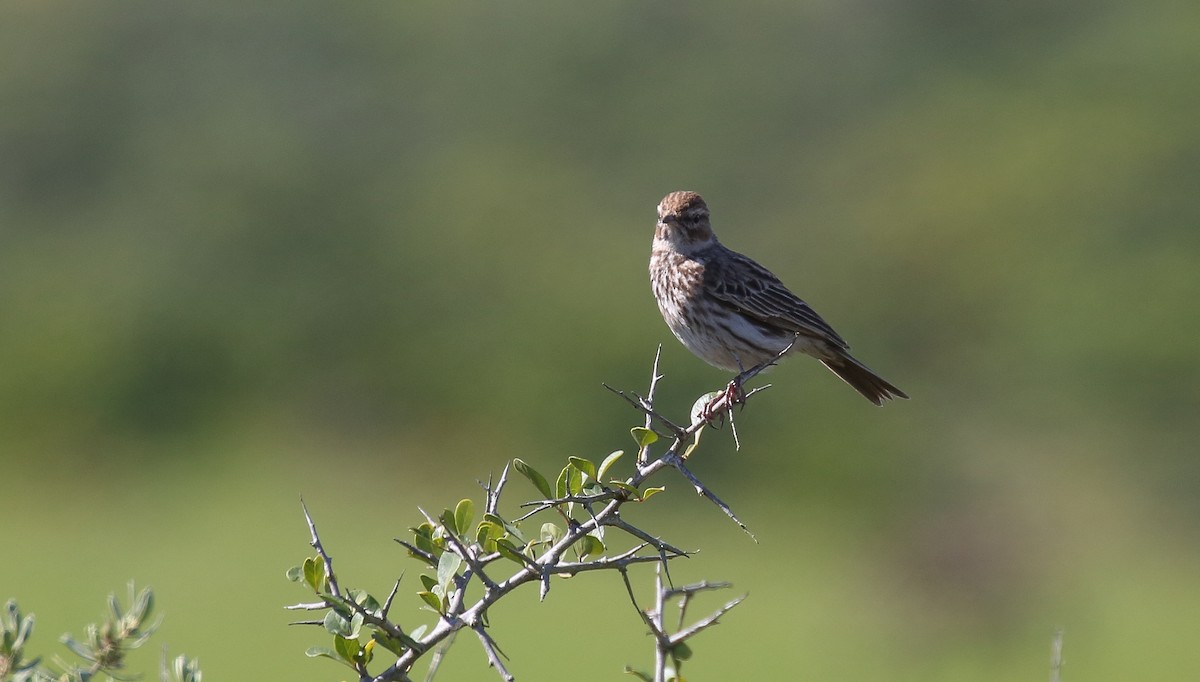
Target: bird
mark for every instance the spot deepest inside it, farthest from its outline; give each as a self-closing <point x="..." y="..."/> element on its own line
<point x="736" y="314"/>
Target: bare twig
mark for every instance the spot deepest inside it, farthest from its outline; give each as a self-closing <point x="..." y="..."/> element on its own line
<point x="1056" y="656"/>
<point x="574" y="568"/>
<point x="581" y="499"/>
<point x="762" y="366"/>
<point x="737" y="442"/>
<point x="703" y="490"/>
<point x="493" y="494"/>
<point x="417" y="552"/>
<point x="655" y="377"/>
<point x="662" y="644"/>
<point x="645" y="407"/>
<point x="493" y="652"/>
<point x="688" y="591"/>
<point x="315" y="542"/>
<point x="706" y="622"/>
<point x="310" y="606"/>
<point x="654" y="630"/>
<point x="666" y="644"/>
<point x="585" y="500"/>
<point x="387" y="604"/>
<point x="649" y="539"/>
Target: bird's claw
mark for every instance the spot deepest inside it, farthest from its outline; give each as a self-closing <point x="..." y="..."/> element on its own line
<point x="724" y="402"/>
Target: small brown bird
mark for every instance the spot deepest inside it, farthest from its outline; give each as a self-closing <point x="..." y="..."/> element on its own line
<point x="732" y="312"/>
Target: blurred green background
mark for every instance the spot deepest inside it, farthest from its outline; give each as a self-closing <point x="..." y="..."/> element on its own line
<point x="367" y="252"/>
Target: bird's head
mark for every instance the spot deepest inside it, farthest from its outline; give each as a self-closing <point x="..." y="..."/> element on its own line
<point x="683" y="222"/>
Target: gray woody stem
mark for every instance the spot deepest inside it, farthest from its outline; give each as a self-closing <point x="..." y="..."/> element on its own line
<point x="603" y="512"/>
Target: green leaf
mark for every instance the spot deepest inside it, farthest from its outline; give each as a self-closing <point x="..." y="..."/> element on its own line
<point x="462" y="516"/>
<point x="447" y="568"/>
<point x="643" y="436"/>
<point x="392" y="644"/>
<point x="322" y="652"/>
<point x="483" y="531"/>
<point x="651" y="492"/>
<point x="633" y="492"/>
<point x="681" y="651"/>
<point x="583" y="465"/>
<point x="423" y="539"/>
<point x="574" y="480"/>
<point x="314" y="573"/>
<point x="508" y="527"/>
<point x="551" y="533"/>
<point x="339" y="604"/>
<point x="295" y="574"/>
<point x="336" y="623"/>
<point x="560" y="483"/>
<point x="702" y="402"/>
<point x="432" y="599"/>
<point x="365" y="600"/>
<point x="538" y="480"/>
<point x="428" y="581"/>
<point x="508" y="551"/>
<point x="447" y="519"/>
<point x="607" y="464"/>
<point x="486" y="535"/>
<point x="347" y="649"/>
<point x="589" y="545"/>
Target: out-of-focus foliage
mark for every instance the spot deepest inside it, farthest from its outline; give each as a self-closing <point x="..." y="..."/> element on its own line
<point x="103" y="650"/>
<point x="250" y="250"/>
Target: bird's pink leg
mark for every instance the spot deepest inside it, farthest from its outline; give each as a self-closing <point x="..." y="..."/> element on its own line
<point x="725" y="400"/>
<point x="734" y="394"/>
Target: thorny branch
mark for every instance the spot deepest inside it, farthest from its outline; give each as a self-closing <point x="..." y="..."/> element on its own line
<point x="315" y="542"/>
<point x="466" y="558"/>
<point x="667" y="645"/>
<point x="686" y="439"/>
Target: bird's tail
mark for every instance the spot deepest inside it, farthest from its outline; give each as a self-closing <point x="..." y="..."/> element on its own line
<point x="873" y="387"/>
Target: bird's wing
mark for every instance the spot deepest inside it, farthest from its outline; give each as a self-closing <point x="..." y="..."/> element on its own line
<point x="753" y="291"/>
